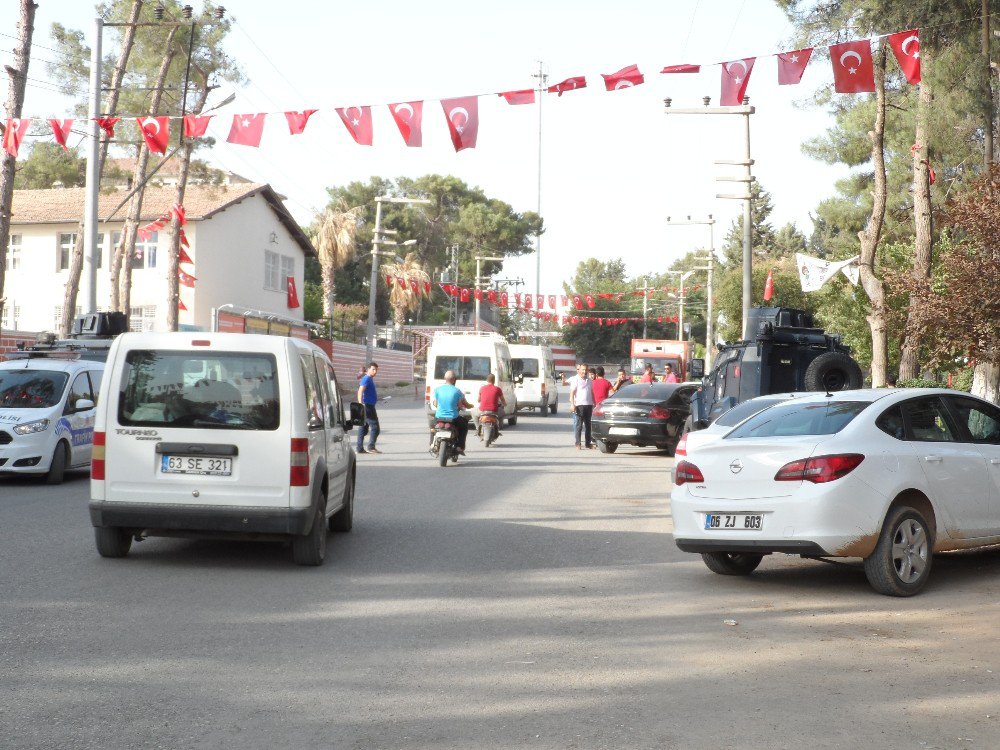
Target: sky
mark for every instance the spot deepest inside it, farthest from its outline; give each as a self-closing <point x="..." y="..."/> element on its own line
<point x="613" y="165"/>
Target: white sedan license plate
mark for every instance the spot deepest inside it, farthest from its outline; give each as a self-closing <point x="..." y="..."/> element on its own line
<point x="734" y="521"/>
<point x="623" y="431"/>
<point x="203" y="465"/>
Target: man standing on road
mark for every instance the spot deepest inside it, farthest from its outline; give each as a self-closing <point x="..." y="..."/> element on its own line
<point x="601" y="387"/>
<point x="448" y="402"/>
<point x="621" y="381"/>
<point x="368" y="396"/>
<point x="668" y="374"/>
<point x="648" y="376"/>
<point x="581" y="401"/>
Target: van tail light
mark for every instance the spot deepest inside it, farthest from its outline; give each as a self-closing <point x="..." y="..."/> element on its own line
<point x="686" y="471"/>
<point x="543" y="387"/>
<point x="658" y="412"/>
<point x="819" y="469"/>
<point x="299" y="475"/>
<point x="97" y="457"/>
<point x="598" y="411"/>
<point x="682" y="446"/>
<point x="427" y="394"/>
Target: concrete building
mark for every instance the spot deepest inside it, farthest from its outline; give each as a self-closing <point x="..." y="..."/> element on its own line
<point x="244" y="244"/>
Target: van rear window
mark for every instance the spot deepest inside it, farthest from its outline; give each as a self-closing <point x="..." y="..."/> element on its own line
<point x="466" y="368"/>
<point x="202" y="390"/>
<point x="527" y="367"/>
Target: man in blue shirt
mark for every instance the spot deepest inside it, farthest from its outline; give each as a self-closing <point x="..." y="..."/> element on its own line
<point x="368" y="396"/>
<point x="448" y="403"/>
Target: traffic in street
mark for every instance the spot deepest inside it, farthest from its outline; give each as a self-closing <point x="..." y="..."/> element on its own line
<point x="530" y="595"/>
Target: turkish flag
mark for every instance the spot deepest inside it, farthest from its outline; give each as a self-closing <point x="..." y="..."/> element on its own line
<point x="463" y="120"/>
<point x="358" y="121"/>
<point x="414" y="286"/>
<point x="183" y="257"/>
<point x="388" y="280"/>
<point x="492" y="296"/>
<point x="180" y="305"/>
<point x="527" y="302"/>
<point x="769" y="286"/>
<point x="735" y="77"/>
<point x="577" y="302"/>
<point x="401" y="282"/>
<point x="478" y="295"/>
<point x="570" y="84"/>
<point x="524" y="96"/>
<point x="196" y="125"/>
<point x="178" y="211"/>
<point x="683" y="68"/>
<point x="463" y="295"/>
<point x="185" y="279"/>
<point x="297" y="120"/>
<point x="293" y="295"/>
<point x="155" y="132"/>
<point x="853" y="69"/>
<point x="517" y="300"/>
<point x="564" y="299"/>
<point x="504" y="299"/>
<point x="14" y="134"/>
<point x="60" y="131"/>
<point x="623" y="79"/>
<point x="906" y="47"/>
<point x="107" y="125"/>
<point x="408" y="117"/>
<point x="427" y="288"/>
<point x="184" y="239"/>
<point x="247" y="130"/>
<point x="590" y="301"/>
<point x="791" y="65"/>
<point x="552" y="301"/>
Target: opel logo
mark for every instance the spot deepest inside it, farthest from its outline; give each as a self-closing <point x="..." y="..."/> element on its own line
<point x="736" y="466"/>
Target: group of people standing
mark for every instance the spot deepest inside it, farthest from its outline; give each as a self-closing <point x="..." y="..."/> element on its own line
<point x="587" y="389"/>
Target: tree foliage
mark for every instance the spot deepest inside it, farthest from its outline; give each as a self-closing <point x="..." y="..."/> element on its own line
<point x="48" y="164"/>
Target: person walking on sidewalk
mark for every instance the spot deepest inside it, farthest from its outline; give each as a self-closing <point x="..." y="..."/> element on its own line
<point x="581" y="401"/>
<point x="368" y="396"/>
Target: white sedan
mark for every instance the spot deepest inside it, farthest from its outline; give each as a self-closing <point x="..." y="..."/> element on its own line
<point x="889" y="475"/>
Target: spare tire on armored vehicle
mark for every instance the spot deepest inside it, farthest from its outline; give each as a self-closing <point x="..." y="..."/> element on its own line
<point x="833" y="371"/>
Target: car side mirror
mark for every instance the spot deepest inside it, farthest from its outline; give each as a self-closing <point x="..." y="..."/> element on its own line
<point x="82" y="404"/>
<point x="697" y="369"/>
<point x="357" y="414"/>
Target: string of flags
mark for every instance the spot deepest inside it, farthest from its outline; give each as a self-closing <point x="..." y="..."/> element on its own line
<point x="538" y="302"/>
<point x="852" y="63"/>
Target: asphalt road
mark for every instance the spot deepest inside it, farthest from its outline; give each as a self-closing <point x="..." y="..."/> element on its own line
<point x="530" y="596"/>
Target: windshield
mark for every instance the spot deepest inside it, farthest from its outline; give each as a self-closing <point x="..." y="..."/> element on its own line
<point x="748" y="408"/>
<point x="31" y="389"/>
<point x="527" y="367"/>
<point x="823" y="418"/>
<point x="227" y="390"/>
<point x="465" y="368"/>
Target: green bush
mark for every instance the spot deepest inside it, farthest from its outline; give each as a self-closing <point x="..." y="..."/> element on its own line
<point x="401" y="383"/>
<point x="963" y="380"/>
<point x="920" y="383"/>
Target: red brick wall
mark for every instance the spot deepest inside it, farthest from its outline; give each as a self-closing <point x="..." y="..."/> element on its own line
<point x="9" y="339"/>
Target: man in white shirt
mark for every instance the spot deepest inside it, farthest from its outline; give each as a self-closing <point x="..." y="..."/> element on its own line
<point x="581" y="401"/>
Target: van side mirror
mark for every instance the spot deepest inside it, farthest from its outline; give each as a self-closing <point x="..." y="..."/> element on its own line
<point x="357" y="415"/>
<point x="697" y="369"/>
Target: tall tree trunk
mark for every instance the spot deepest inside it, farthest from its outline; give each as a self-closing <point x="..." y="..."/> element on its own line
<point x="986" y="381"/>
<point x="18" y="73"/>
<point x="139" y="185"/>
<point x="923" y="241"/>
<point x="117" y="76"/>
<point x="328" y="278"/>
<point x="871" y="282"/>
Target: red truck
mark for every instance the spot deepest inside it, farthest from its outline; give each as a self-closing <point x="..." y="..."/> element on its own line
<point x="659" y="352"/>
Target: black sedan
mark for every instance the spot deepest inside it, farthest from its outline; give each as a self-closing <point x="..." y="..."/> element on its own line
<point x="643" y="414"/>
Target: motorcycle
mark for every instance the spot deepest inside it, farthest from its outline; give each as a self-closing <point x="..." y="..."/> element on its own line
<point x="443" y="442"/>
<point x="488" y="427"/>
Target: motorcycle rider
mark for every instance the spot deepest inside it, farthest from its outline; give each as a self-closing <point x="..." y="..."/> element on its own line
<point x="448" y="401"/>
<point x="491" y="399"/>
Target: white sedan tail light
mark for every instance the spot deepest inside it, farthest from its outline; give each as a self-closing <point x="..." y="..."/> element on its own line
<point x="819" y="469"/>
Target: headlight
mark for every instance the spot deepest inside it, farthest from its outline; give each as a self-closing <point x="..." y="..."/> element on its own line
<point x="30" y="428"/>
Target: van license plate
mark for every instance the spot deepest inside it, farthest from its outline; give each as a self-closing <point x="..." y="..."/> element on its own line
<point x="733" y="521"/>
<point x="204" y="465"/>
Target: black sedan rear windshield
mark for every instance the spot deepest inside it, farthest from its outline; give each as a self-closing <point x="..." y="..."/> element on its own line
<point x="647" y="391"/>
<point x="793" y="419"/>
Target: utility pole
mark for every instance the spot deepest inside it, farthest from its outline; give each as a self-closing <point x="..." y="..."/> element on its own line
<point x="542" y="80"/>
<point x="746" y="178"/>
<point x="710" y="267"/>
<point x="18" y="73"/>
<point x="478" y="289"/>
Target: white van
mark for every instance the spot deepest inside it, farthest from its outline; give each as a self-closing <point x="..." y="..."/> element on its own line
<point x="534" y="378"/>
<point x="256" y="447"/>
<point x="473" y="355"/>
<point x="47" y="413"/>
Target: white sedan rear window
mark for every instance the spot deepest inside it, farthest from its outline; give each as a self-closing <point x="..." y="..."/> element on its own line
<point x="826" y="418"/>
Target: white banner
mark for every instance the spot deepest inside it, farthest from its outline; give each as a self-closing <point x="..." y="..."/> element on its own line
<point x="815" y="272"/>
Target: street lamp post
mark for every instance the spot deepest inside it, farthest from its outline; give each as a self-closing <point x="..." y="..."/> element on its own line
<point x="710" y="267"/>
<point x="478" y="288"/>
<point x="377" y="240"/>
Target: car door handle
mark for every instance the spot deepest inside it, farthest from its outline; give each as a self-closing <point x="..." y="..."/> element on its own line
<point x="933" y="459"/>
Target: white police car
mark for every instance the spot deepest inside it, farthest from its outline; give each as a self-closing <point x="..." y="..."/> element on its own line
<point x="47" y="409"/>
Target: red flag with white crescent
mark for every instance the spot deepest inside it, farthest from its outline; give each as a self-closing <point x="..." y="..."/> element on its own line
<point x="570" y="84"/>
<point x="463" y="120"/>
<point x="409" y="117"/>
<point x="527" y="302"/>
<point x="196" y="125"/>
<point x="590" y="301"/>
<point x="791" y="65"/>
<point x="524" y="96"/>
<point x="478" y="294"/>
<point x="552" y="301"/>
<point x="463" y="295"/>
<point x="577" y="302"/>
<point x="853" y="67"/>
<point x="155" y="132"/>
<point x="906" y="47"/>
<point x="247" y="130"/>
<point x="414" y="286"/>
<point x="60" y="131"/>
<point x="388" y="280"/>
<point x="517" y="300"/>
<point x="293" y="295"/>
<point x="180" y="305"/>
<point x="735" y="77"/>
<point x="427" y="288"/>
<point x="107" y="124"/>
<point x="539" y="301"/>
<point x="185" y="279"/>
<point x="14" y="134"/>
<point x="682" y="68"/>
<point x="623" y="79"/>
<point x="358" y="121"/>
<point x="297" y="120"/>
<point x="492" y="296"/>
<point x="504" y="299"/>
<point x="183" y="257"/>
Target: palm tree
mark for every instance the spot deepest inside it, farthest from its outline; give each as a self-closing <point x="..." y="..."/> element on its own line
<point x="335" y="242"/>
<point x="404" y="299"/>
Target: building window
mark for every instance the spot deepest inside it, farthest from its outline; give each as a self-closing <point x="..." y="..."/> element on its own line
<point x="144" y="255"/>
<point x="142" y="318"/>
<point x="100" y="249"/>
<point x="11" y="315"/>
<point x="277" y="269"/>
<point x="14" y="253"/>
<point x="57" y="316"/>
<point x="66" y="243"/>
